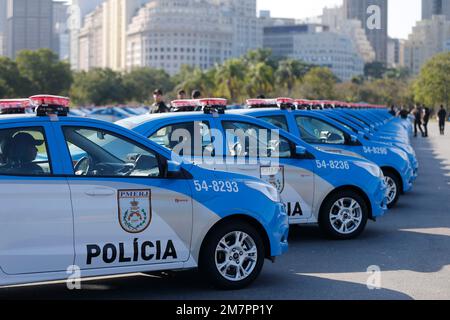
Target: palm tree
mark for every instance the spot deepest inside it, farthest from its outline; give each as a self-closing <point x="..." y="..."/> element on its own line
<point x="289" y="72"/>
<point x="229" y="78"/>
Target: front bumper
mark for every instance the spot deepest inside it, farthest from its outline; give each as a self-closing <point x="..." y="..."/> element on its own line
<point x="379" y="200"/>
<point x="279" y="232"/>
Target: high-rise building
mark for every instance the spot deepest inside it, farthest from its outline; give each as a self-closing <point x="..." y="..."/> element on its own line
<point x="374" y="16"/>
<point x="103" y="38"/>
<point x="77" y="13"/>
<point x="315" y="44"/>
<point x="29" y="25"/>
<point x="2" y="27"/>
<point x="393" y="52"/>
<point x="335" y="19"/>
<point x="429" y="37"/>
<point x="167" y="34"/>
<point x="435" y="7"/>
<point x="247" y="28"/>
<point x="61" y="35"/>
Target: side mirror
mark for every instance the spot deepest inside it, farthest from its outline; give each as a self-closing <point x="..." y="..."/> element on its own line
<point x="300" y="150"/>
<point x="173" y="167"/>
<point x="353" y="139"/>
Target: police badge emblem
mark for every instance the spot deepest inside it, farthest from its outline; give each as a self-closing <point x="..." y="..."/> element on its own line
<point x="274" y="176"/>
<point x="135" y="211"/>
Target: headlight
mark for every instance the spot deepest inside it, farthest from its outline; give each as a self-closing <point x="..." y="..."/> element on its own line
<point x="401" y="153"/>
<point x="268" y="190"/>
<point x="372" y="168"/>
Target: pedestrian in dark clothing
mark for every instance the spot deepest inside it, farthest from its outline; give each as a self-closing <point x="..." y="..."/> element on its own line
<point x="426" y="118"/>
<point x="417" y="113"/>
<point x="442" y="117"/>
<point x="404" y="113"/>
<point x="159" y="105"/>
<point x="393" y="112"/>
<point x="196" y="94"/>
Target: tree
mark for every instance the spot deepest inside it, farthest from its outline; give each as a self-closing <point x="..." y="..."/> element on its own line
<point x="98" y="87"/>
<point x="13" y="83"/>
<point x="141" y="82"/>
<point x="260" y="79"/>
<point x="432" y="85"/>
<point x="44" y="71"/>
<point x="290" y="72"/>
<point x="375" y="70"/>
<point x="229" y="79"/>
<point x="319" y="83"/>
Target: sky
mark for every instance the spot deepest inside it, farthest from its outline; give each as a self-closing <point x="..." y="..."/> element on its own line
<point x="403" y="14"/>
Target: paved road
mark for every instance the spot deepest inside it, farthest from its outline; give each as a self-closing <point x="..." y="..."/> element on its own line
<point x="411" y="246"/>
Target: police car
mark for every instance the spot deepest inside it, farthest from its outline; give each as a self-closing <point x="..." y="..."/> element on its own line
<point x="339" y="192"/>
<point x="326" y="134"/>
<point x="86" y="193"/>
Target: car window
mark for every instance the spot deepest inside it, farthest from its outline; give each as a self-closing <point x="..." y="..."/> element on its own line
<point x="319" y="132"/>
<point x="186" y="139"/>
<point x="249" y="140"/>
<point x="277" y="121"/>
<point x="103" y="154"/>
<point x="23" y="151"/>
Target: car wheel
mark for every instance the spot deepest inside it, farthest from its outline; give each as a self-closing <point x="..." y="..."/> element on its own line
<point x="344" y="215"/>
<point x="232" y="256"/>
<point x="393" y="185"/>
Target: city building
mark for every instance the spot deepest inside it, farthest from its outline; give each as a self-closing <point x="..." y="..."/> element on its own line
<point x="315" y="44"/>
<point x="393" y="53"/>
<point x="377" y="34"/>
<point x="102" y="40"/>
<point x="247" y="28"/>
<point x="167" y="34"/>
<point x="335" y="19"/>
<point x="61" y="35"/>
<point x="2" y="27"/>
<point x="435" y="7"/>
<point x="77" y="13"/>
<point x="428" y="38"/>
<point x="29" y="25"/>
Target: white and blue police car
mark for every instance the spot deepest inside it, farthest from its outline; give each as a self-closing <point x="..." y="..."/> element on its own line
<point x="338" y="192"/>
<point x="87" y="193"/>
<point x="324" y="133"/>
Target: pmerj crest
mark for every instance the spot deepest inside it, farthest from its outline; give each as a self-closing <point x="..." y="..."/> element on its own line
<point x="134" y="210"/>
<point x="274" y="176"/>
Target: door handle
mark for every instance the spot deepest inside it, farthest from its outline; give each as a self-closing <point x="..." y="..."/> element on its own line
<point x="101" y="192"/>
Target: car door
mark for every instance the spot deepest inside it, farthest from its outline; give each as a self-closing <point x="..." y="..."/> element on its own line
<point x="36" y="229"/>
<point x="194" y="140"/>
<point x="293" y="177"/>
<point x="127" y="212"/>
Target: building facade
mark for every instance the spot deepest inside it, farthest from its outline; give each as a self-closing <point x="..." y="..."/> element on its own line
<point x="393" y="53"/>
<point x="102" y="40"/>
<point x="29" y="25"/>
<point x="435" y="7"/>
<point x="167" y="34"/>
<point x="373" y="15"/>
<point x="429" y="37"/>
<point x="315" y="44"/>
<point x="335" y="19"/>
<point x="2" y="27"/>
<point x="61" y="35"/>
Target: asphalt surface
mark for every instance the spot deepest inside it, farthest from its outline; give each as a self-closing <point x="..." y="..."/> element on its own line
<point x="410" y="245"/>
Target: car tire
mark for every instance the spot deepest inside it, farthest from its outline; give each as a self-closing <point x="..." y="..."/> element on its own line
<point x="343" y="215"/>
<point x="246" y="254"/>
<point x="394" y="186"/>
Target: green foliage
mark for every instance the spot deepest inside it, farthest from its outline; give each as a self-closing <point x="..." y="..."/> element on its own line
<point x="141" y="82"/>
<point x="13" y="83"/>
<point x="432" y="85"/>
<point x="44" y="71"/>
<point x="99" y="87"/>
<point x="319" y="83"/>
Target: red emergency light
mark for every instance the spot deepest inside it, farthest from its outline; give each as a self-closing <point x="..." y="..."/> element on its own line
<point x="13" y="106"/>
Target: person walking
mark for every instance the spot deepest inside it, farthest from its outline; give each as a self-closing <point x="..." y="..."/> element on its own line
<point x="442" y="117"/>
<point x="393" y="111"/>
<point x="426" y="118"/>
<point x="417" y="113"/>
<point x="196" y="94"/>
<point x="181" y="95"/>
<point x="159" y="106"/>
